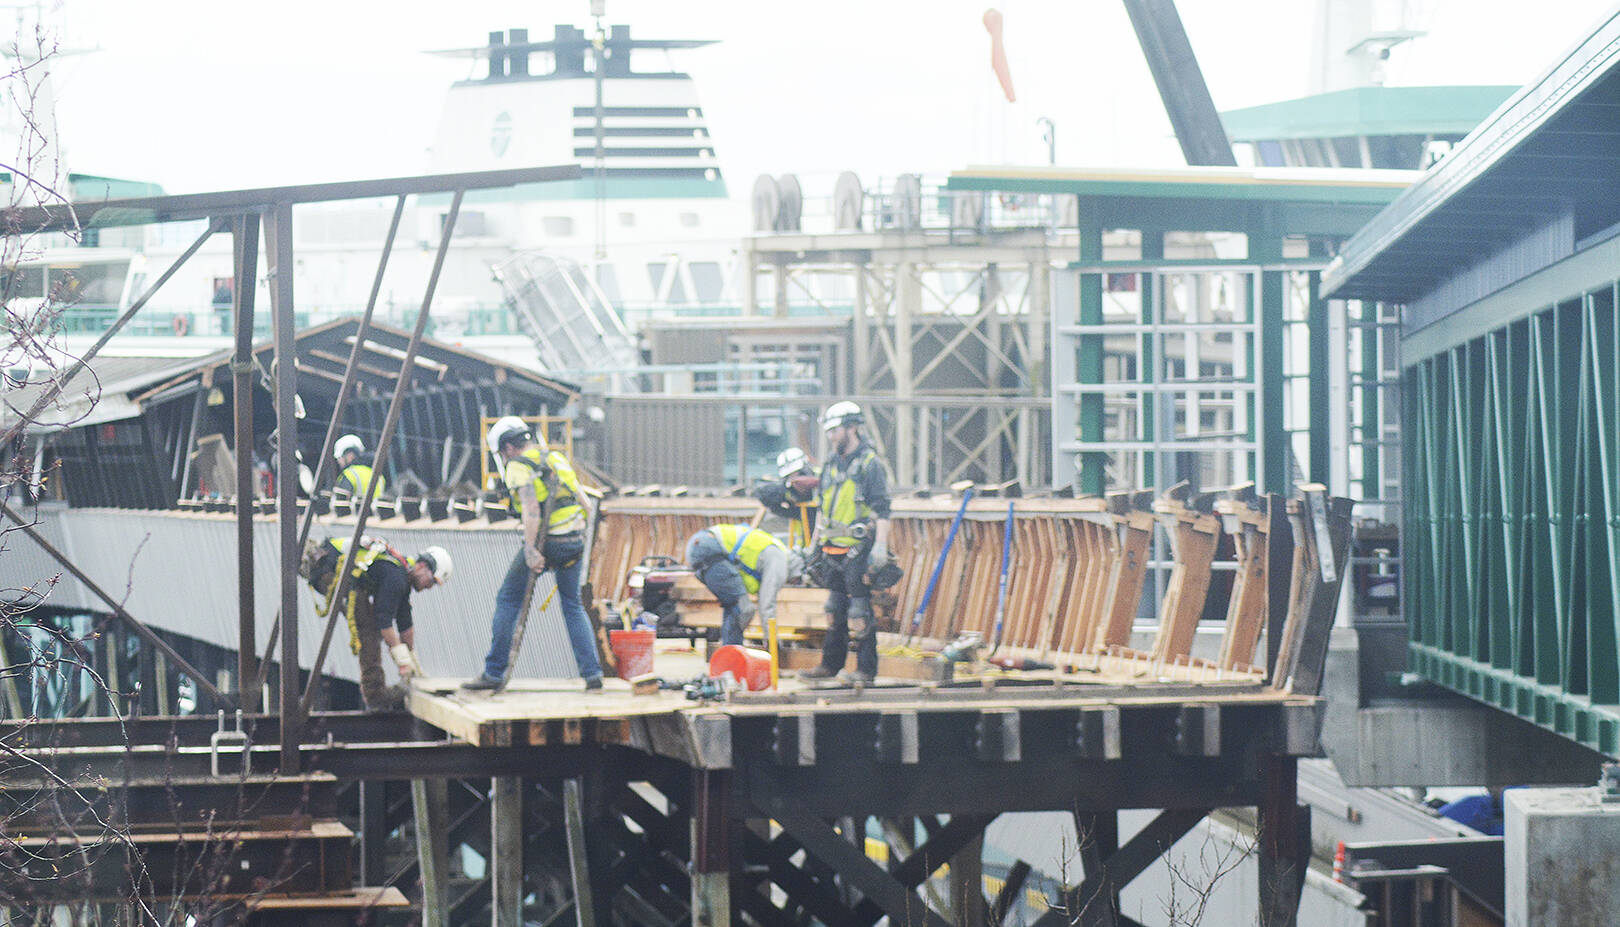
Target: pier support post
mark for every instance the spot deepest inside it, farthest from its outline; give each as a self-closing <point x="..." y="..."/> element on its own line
<point x="711" y="849"/>
<point x="506" y="843"/>
<point x="431" y="800"/>
<point x="1285" y="842"/>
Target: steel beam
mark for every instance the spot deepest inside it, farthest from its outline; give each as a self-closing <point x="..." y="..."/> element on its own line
<point x="245" y="230"/>
<point x="1181" y="85"/>
<point x="1285" y="843"/>
<point x="278" y="222"/>
<point x="578" y="864"/>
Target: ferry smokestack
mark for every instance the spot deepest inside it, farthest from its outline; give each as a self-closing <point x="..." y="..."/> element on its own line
<point x="497" y="55"/>
<point x="517" y="56"/>
<point x="570" y="50"/>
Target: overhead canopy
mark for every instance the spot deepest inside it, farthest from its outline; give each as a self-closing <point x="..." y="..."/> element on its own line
<point x="1304" y="200"/>
<point x="1358" y="111"/>
<point x="1543" y="165"/>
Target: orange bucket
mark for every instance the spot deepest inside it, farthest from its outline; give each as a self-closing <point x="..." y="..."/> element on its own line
<point x="634" y="651"/>
<point x="752" y="667"/>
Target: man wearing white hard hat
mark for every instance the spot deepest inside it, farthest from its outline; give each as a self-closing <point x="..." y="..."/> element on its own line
<point x="545" y="492"/>
<point x="354" y="469"/>
<point x="378" y="604"/>
<point x="853" y="536"/>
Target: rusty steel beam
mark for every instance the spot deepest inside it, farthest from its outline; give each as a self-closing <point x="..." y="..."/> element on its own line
<point x="383" y="440"/>
<point x="286" y="385"/>
<point x="246" y="233"/>
<point x="118" y="610"/>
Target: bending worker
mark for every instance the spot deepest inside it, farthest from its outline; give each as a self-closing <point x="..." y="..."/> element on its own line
<point x="354" y="468"/>
<point x="853" y="535"/>
<point x="545" y="492"/>
<point x="734" y="562"/>
<point x="378" y="606"/>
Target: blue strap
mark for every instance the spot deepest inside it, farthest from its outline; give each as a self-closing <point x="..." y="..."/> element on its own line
<point x="742" y="538"/>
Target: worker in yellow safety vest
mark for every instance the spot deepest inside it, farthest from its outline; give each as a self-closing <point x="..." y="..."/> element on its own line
<point x="735" y="562"/>
<point x="545" y="491"/>
<point x="377" y="605"/>
<point x="852" y="534"/>
<point x="354" y="469"/>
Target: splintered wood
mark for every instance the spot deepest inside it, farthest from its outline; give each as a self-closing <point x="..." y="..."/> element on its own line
<point x="1075" y="578"/>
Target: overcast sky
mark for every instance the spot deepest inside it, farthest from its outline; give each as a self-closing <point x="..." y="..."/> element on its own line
<point x="203" y="94"/>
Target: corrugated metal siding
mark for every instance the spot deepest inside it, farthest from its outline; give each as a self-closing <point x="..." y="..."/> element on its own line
<point x="178" y="572"/>
<point x="665" y="443"/>
<point x="1553" y="241"/>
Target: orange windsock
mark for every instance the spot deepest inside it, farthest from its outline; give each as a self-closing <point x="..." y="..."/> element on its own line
<point x="998" y="53"/>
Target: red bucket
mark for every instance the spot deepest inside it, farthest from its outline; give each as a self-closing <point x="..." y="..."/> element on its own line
<point x="752" y="667"/>
<point x="634" y="651"/>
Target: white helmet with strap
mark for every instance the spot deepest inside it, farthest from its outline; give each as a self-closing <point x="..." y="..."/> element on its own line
<point x="840" y="413"/>
<point x="438" y="563"/>
<point x="346" y="444"/>
<point x="508" y="429"/>
<point x="791" y="461"/>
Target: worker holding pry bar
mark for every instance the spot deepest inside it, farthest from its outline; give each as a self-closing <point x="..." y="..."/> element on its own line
<point x="852" y="544"/>
<point x="545" y="492"/>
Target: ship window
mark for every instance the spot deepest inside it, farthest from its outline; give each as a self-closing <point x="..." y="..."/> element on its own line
<point x="655" y="273"/>
<point x="677" y="290"/>
<point x="707" y="281"/>
<point x="608" y="279"/>
<point x="23" y="282"/>
<point x="558" y="226"/>
<point x="627" y="220"/>
<point x="88" y="284"/>
<point x="689" y="219"/>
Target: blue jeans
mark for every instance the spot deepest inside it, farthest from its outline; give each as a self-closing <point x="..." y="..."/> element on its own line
<point x="564" y="561"/>
<point x="721" y="576"/>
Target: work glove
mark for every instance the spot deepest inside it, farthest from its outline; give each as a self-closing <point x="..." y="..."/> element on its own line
<point x="880" y="556"/>
<point x="405" y="660"/>
<point x="535" y="559"/>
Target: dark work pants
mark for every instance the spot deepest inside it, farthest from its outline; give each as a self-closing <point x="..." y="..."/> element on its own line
<point x="847" y="596"/>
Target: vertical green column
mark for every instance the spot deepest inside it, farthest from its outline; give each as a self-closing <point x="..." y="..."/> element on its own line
<point x="1316" y="320"/>
<point x="1148" y="355"/>
<point x="1089" y="366"/>
<point x="1265" y="245"/>
<point x="1372" y="429"/>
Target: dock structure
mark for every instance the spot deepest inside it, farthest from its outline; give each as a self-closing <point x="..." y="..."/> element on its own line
<point x="752" y="808"/>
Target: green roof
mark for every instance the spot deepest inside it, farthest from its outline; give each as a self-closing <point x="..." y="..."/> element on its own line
<point x="1266" y="184"/>
<point x="88" y="187"/>
<point x="1368" y="111"/>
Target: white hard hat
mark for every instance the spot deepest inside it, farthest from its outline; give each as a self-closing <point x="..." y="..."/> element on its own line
<point x="507" y="430"/>
<point x="438" y="562"/>
<point x="841" y="413"/>
<point x="791" y="461"/>
<point x="346" y="444"/>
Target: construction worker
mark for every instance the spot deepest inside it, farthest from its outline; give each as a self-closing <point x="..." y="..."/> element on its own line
<point x="734" y="562"/>
<point x="792" y="494"/>
<point x="378" y="604"/>
<point x="545" y="493"/>
<point x="853" y="536"/>
<point x="354" y="468"/>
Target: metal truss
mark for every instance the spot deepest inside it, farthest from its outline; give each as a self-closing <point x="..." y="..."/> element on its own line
<point x="949" y="341"/>
<point x="1512" y="517"/>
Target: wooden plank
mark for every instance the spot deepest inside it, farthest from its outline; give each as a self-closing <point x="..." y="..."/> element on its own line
<point x="889" y="667"/>
<point x="1194" y="539"/>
